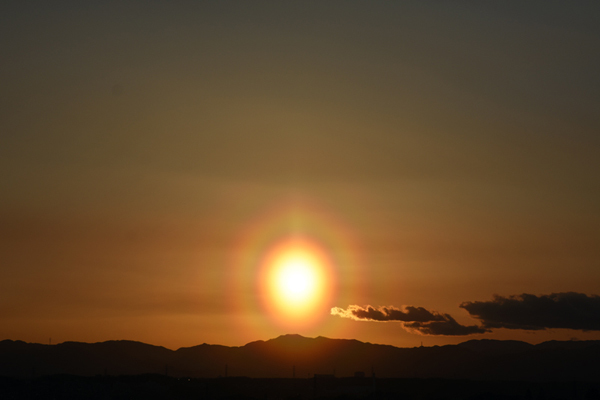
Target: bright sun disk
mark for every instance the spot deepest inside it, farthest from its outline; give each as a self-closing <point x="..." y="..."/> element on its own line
<point x="296" y="280"/>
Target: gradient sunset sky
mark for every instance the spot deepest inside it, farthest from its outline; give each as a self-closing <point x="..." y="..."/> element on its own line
<point x="439" y="158"/>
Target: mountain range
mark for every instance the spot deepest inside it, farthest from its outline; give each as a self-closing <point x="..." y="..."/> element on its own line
<point x="296" y="356"/>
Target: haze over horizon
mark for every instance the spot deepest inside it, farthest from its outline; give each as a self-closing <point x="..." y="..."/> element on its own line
<point x="225" y="172"/>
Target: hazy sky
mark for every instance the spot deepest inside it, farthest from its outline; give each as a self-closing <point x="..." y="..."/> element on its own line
<point x="438" y="152"/>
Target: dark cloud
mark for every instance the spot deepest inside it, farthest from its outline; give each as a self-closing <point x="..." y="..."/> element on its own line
<point x="527" y="311"/>
<point x="370" y="313"/>
<point x="447" y="327"/>
<point x="416" y="319"/>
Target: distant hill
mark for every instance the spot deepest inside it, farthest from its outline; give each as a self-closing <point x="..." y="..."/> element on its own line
<point x="303" y="357"/>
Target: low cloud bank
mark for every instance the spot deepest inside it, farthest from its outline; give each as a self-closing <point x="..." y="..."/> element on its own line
<point x="416" y="319"/>
<point x="568" y="310"/>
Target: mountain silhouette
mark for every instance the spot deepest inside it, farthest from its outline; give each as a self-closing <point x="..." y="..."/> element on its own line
<point x="302" y="357"/>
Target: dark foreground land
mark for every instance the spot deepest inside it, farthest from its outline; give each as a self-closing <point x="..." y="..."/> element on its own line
<point x="295" y="367"/>
<point x="292" y="356"/>
<point x="154" y="386"/>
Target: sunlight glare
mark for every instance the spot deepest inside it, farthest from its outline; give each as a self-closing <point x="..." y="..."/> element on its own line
<point x="297" y="281"/>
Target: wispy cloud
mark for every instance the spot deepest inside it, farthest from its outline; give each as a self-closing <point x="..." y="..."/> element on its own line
<point x="417" y="319"/>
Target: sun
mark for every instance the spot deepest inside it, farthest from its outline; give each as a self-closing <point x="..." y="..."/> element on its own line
<point x="296" y="278"/>
<point x="296" y="282"/>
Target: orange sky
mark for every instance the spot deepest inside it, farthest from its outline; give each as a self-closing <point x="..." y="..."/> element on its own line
<point x="152" y="153"/>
